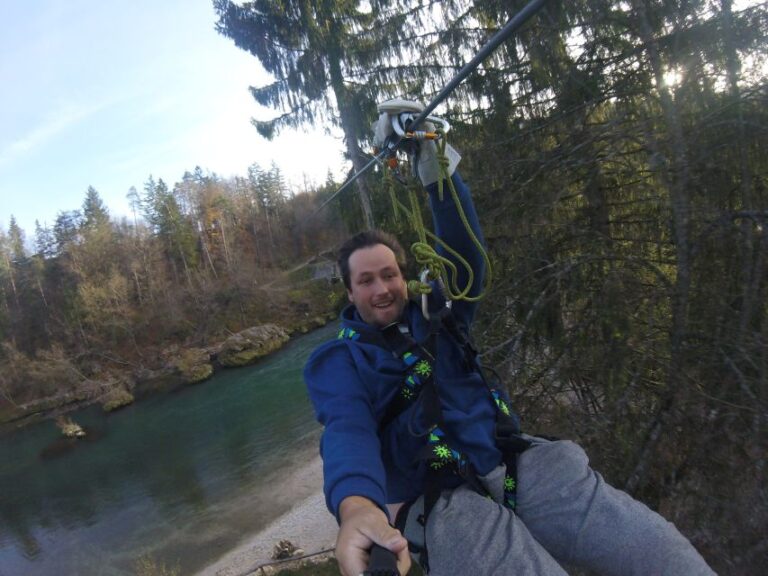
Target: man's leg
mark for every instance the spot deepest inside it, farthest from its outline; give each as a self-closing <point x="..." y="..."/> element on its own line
<point x="469" y="534"/>
<point x="582" y="521"/>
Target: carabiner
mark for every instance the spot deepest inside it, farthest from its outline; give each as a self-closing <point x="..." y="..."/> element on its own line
<point x="423" y="278"/>
<point x="401" y="126"/>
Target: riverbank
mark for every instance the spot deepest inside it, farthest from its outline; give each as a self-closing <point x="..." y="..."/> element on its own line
<point x="182" y="478"/>
<point x="172" y="368"/>
<point x="307" y="525"/>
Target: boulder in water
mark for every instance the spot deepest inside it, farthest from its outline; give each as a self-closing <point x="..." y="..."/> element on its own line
<point x="117" y="398"/>
<point x="69" y="428"/>
<point x="251" y="344"/>
<point x="194" y="365"/>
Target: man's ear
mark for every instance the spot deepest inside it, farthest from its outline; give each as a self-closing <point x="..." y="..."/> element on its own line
<point x="349" y="295"/>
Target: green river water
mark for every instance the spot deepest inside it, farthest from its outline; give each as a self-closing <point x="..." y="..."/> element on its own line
<point x="182" y="476"/>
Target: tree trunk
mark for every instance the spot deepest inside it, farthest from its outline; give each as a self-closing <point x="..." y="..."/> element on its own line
<point x="750" y="270"/>
<point x="207" y="252"/>
<point x="13" y="282"/>
<point x="226" y="249"/>
<point x="271" y="243"/>
<point x="678" y="178"/>
<point x="42" y="292"/>
<point x="351" y="132"/>
<point x="138" y="288"/>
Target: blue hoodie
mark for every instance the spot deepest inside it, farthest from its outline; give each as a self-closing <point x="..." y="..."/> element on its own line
<point x="351" y="384"/>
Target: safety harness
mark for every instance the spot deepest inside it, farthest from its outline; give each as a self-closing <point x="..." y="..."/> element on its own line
<point x="420" y="383"/>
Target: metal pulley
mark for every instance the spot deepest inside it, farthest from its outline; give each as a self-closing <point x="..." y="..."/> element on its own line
<point x="403" y="123"/>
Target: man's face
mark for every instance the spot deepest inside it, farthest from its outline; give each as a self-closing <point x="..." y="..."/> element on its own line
<point x="378" y="290"/>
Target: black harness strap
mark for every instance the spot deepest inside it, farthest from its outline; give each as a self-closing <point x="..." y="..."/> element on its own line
<point x="403" y="346"/>
<point x="433" y="413"/>
<point x="507" y="431"/>
<point x="422" y="384"/>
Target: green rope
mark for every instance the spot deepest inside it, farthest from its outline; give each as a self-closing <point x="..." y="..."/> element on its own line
<point x="439" y="266"/>
<point x="418" y="288"/>
<point x="416" y="220"/>
<point x="389" y="184"/>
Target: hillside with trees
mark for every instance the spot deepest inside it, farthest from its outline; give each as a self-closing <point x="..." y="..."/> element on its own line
<point x="101" y="301"/>
<point x="617" y="155"/>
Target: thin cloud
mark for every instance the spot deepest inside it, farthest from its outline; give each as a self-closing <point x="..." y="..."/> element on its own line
<point x="43" y="133"/>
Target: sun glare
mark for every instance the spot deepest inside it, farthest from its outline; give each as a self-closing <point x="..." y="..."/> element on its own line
<point x="672" y="78"/>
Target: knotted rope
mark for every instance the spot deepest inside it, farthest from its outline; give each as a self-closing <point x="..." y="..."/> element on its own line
<point x="439" y="267"/>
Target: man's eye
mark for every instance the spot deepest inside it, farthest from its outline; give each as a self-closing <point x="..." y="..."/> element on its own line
<point x="365" y="281"/>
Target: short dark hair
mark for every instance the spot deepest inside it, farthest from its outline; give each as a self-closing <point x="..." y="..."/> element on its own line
<point x="367" y="239"/>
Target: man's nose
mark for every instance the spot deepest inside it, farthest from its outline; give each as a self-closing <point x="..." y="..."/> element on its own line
<point x="379" y="286"/>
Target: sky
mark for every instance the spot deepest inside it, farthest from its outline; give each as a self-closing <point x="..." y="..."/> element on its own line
<point x="105" y="93"/>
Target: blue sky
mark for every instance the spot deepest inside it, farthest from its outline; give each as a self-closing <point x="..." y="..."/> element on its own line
<point x="104" y="93"/>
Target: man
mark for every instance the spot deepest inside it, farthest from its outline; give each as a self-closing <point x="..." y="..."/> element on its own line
<point x="374" y="469"/>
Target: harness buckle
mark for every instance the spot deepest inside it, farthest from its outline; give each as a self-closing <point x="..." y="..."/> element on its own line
<point x="463" y="467"/>
<point x="508" y="438"/>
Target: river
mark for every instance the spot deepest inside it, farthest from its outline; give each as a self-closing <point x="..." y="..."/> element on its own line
<point x="180" y="477"/>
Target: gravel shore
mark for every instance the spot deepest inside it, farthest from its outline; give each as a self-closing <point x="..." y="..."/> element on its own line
<point x="308" y="525"/>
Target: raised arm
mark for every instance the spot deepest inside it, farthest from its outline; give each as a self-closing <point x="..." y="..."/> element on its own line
<point x="458" y="228"/>
<point x="452" y="230"/>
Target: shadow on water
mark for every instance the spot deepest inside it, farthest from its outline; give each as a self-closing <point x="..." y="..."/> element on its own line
<point x="62" y="446"/>
<point x="165" y="476"/>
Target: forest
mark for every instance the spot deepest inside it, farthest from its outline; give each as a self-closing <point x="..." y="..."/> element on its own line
<point x="616" y="154"/>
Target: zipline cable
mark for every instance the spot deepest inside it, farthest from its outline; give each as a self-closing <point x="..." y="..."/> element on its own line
<point x="351" y="179"/>
<point x="514" y="24"/>
<point x="501" y="36"/>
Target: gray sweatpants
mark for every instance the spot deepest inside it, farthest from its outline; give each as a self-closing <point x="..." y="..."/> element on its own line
<point x="566" y="513"/>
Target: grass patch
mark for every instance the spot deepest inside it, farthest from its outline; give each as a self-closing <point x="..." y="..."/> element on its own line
<point x="326" y="568"/>
<point x="148" y="566"/>
<point x="330" y="568"/>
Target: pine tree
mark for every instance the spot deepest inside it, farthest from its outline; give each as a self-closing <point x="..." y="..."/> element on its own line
<point x="163" y="212"/>
<point x="95" y="213"/>
<point x="44" y="241"/>
<point x="65" y="229"/>
<point x="330" y="61"/>
<point x="134" y="201"/>
<point x="16" y="241"/>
